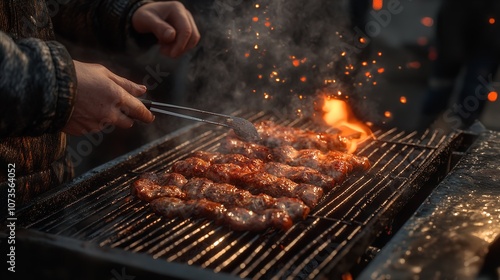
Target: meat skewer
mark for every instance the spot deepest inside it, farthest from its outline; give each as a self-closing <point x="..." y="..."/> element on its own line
<point x="333" y="164"/>
<point x="298" y="174"/>
<point x="274" y="135"/>
<point x="236" y="218"/>
<point x="256" y="182"/>
<point x="148" y="188"/>
<point x="301" y="174"/>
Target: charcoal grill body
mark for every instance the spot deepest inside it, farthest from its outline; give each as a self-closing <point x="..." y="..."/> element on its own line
<point x="95" y="226"/>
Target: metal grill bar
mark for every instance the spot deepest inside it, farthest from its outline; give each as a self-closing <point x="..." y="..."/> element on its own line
<point x="107" y="215"/>
<point x="305" y="255"/>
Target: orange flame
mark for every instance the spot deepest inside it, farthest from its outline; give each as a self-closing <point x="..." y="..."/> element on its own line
<point x="339" y="115"/>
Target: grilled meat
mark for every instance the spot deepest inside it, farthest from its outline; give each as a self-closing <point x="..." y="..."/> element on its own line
<point x="256" y="182"/>
<point x="333" y="164"/>
<point x="235" y="218"/>
<point x="191" y="167"/>
<point x="298" y="174"/>
<point x="148" y="188"/>
<point x="274" y="135"/>
<point x="255" y="186"/>
<point x="251" y="164"/>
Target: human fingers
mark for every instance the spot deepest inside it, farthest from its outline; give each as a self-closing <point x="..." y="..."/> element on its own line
<point x="122" y="120"/>
<point x="195" y="37"/>
<point x="130" y="105"/>
<point x="131" y="87"/>
<point x="181" y="21"/>
<point x="151" y="19"/>
<point x="176" y="50"/>
<point x="134" y="109"/>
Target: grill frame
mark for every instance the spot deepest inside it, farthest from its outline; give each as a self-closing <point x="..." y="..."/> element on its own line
<point x="331" y="265"/>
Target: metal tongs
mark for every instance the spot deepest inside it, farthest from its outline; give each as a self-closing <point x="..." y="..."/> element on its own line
<point x="241" y="127"/>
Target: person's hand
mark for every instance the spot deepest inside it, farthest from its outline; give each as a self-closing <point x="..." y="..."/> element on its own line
<point x="104" y="98"/>
<point x="171" y="23"/>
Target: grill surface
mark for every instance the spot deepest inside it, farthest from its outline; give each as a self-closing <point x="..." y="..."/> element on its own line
<point x="98" y="209"/>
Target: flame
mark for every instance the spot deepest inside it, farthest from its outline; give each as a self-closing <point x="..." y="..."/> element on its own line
<point x="339" y="115"/>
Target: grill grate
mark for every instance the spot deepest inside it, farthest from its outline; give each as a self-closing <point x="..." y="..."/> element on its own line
<point x="337" y="231"/>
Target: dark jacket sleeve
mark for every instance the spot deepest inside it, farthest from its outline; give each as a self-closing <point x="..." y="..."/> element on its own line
<point x="103" y="23"/>
<point x="37" y="86"/>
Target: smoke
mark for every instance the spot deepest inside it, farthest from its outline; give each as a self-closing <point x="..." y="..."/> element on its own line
<point x="263" y="54"/>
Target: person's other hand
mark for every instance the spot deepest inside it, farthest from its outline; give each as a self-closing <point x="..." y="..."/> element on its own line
<point x="171" y="23"/>
<point x="104" y="98"/>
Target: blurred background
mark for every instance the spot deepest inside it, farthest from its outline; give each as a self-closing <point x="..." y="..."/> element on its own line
<point x="262" y="55"/>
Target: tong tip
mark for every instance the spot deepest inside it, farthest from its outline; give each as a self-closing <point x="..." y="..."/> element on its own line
<point x="244" y="129"/>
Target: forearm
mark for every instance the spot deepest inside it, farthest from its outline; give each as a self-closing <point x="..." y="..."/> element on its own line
<point x="37" y="87"/>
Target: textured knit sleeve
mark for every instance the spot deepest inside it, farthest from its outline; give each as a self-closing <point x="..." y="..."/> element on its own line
<point x="104" y="23"/>
<point x="37" y="86"/>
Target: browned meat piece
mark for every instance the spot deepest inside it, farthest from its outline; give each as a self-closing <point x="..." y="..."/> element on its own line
<point x="358" y="163"/>
<point x="147" y="187"/>
<point x="206" y="156"/>
<point x="251" y="164"/>
<point x="242" y="219"/>
<point x="235" y="218"/>
<point x="174" y="179"/>
<point x="334" y="168"/>
<point x="172" y="207"/>
<point x="251" y="150"/>
<point x="300" y="174"/>
<point x="226" y="173"/>
<point x="228" y="195"/>
<point x="191" y="167"/>
<point x="274" y="135"/>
